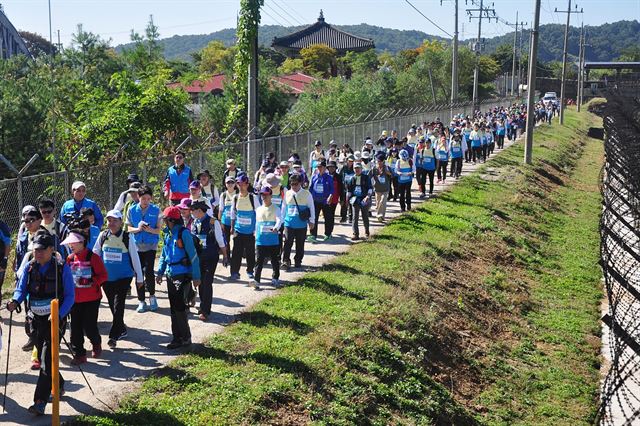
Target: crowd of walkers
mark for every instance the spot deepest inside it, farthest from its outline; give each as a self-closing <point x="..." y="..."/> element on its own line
<point x="74" y="257"/>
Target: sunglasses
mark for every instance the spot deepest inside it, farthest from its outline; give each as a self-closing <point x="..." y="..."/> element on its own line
<point x="28" y="221"/>
<point x="179" y="157"/>
<point x="46" y="211"/>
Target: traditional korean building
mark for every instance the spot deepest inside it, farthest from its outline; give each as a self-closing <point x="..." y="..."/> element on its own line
<point x="321" y="33"/>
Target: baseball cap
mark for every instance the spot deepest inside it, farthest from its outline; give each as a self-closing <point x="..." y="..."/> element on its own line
<point x="77" y="184"/>
<point x="284" y="164"/>
<point x="185" y="204"/>
<point x="133" y="177"/>
<point x="171" y="212"/>
<point x="27" y="209"/>
<point x="242" y="178"/>
<point x="42" y="241"/>
<point x="202" y="173"/>
<point x="116" y="214"/>
<point x="266" y="190"/>
<point x="194" y="185"/>
<point x="322" y="163"/>
<point x="357" y="166"/>
<point x="35" y="213"/>
<point x="332" y="164"/>
<point x="199" y="205"/>
<point x="318" y="143"/>
<point x="230" y="179"/>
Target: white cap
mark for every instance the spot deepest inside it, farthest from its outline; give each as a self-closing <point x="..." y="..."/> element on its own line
<point x="77" y="184"/>
<point x="27" y="209"/>
<point x="116" y="214"/>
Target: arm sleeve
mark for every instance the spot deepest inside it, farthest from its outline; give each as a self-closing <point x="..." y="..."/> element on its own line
<point x="162" y="263"/>
<point x="69" y="290"/>
<point x="216" y="197"/>
<point x="233" y="213"/>
<point x="217" y="229"/>
<point x="283" y="207"/>
<point x="121" y="200"/>
<point x="278" y="219"/>
<point x="97" y="249"/>
<point x="312" y="209"/>
<point x="330" y="183"/>
<point x="135" y="259"/>
<point x="193" y="256"/>
<point x="20" y="291"/>
<point x="100" y="271"/>
<point x="210" y="208"/>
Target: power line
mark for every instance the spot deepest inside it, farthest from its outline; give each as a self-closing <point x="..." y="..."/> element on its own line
<point x="287" y="13"/>
<point x="277" y="13"/>
<point x="425" y="17"/>
<point x="274" y="19"/>
<point x="295" y="11"/>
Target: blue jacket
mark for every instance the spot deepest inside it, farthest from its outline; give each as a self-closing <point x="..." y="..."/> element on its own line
<point x="172" y="255"/>
<point x="71" y="206"/>
<point x="321" y="187"/>
<point x="69" y="293"/>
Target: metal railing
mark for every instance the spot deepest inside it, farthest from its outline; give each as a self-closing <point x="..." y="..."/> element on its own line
<point x="105" y="183"/>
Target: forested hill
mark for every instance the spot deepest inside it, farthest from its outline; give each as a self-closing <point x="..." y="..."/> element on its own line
<point x="606" y="40"/>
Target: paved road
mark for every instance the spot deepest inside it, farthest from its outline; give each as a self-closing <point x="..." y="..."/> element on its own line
<point x="117" y="371"/>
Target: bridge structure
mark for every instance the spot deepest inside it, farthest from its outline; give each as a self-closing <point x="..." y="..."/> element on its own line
<point x="11" y="44"/>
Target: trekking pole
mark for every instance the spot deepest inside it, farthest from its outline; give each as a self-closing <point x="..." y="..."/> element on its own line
<point x="64" y="339"/>
<point x="6" y="371"/>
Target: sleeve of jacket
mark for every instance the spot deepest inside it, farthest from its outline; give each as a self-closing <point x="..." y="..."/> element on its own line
<point x="193" y="256"/>
<point x="69" y="290"/>
<point x="135" y="259"/>
<point x="98" y="215"/>
<point x="328" y="186"/>
<point x="162" y="263"/>
<point x="100" y="272"/>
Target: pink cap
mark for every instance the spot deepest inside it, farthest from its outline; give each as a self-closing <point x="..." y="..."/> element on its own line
<point x="73" y="237"/>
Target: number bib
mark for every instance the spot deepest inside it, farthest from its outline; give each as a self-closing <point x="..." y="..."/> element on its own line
<point x="357" y="191"/>
<point x="81" y="272"/>
<point x="112" y="255"/>
<point x="319" y="188"/>
<point x="382" y="179"/>
<point x="40" y="307"/>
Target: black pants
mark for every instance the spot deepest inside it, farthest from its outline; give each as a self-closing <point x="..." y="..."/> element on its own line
<point x="491" y="146"/>
<point x="442" y="169"/>
<point x="476" y="153"/>
<point x="431" y="174"/>
<point x="290" y="235"/>
<point x="116" y="292"/>
<point x="244" y="245"/>
<point x="205" y="290"/>
<point x="178" y="287"/>
<point x="84" y="322"/>
<point x="405" y="196"/>
<point x="456" y="166"/>
<point x="500" y="140"/>
<point x="357" y="209"/>
<point x="394" y="189"/>
<point x="485" y="148"/>
<point x="467" y="153"/>
<point x="345" y="210"/>
<point x="328" y="212"/>
<point x="268" y="252"/>
<point x="147" y="260"/>
<point x="42" y="333"/>
<point x="226" y="231"/>
<point x="421" y="178"/>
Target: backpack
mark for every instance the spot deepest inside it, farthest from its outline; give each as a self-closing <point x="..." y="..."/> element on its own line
<point x="196" y="242"/>
<point x="251" y="200"/>
<point x="103" y="237"/>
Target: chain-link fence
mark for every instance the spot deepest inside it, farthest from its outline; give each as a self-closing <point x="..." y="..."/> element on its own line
<point x="105" y="183"/>
<point x="620" y="259"/>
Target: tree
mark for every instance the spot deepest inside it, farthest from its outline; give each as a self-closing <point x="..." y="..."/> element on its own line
<point x="319" y="59"/>
<point x="215" y="58"/>
<point x="630" y="54"/>
<point x="504" y="57"/>
<point x="145" y="57"/>
<point x="361" y="63"/>
<point x="37" y="45"/>
<point x="291" y="65"/>
<point x="92" y="57"/>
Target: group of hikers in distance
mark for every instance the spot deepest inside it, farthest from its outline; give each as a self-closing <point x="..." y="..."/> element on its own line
<point x="69" y="255"/>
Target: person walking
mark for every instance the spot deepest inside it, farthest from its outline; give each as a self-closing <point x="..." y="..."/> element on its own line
<point x="209" y="189"/>
<point x="226" y="203"/>
<point x="337" y="197"/>
<point x="381" y="176"/>
<point x="500" y="133"/>
<point x="89" y="274"/>
<point x="359" y="195"/>
<point x="457" y="149"/>
<point x="316" y="156"/>
<point x="72" y="207"/>
<point x="47" y="209"/>
<point x="299" y="212"/>
<point x="421" y="159"/>
<point x="243" y="223"/>
<point x="5" y="249"/>
<point x="391" y="162"/>
<point x="177" y="179"/>
<point x="346" y="173"/>
<point x="144" y="223"/>
<point x="180" y="264"/>
<point x="119" y="254"/>
<point x="268" y="222"/>
<point x="321" y="189"/>
<point x="40" y="281"/>
<point x="208" y="230"/>
<point x="476" y="143"/>
<point x="406" y="169"/>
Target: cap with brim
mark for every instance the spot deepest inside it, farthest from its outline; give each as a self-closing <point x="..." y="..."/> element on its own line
<point x="33" y="214"/>
<point x="332" y="164"/>
<point x="365" y="155"/>
<point x="73" y="237"/>
<point x="202" y="173"/>
<point x="133" y="178"/>
<point x="242" y="179"/>
<point x="199" y="205"/>
<point x="43" y="241"/>
<point x="266" y="190"/>
<point x="27" y="209"/>
<point x="284" y="164"/>
<point x="297" y="166"/>
<point x="116" y="214"/>
<point x="230" y="179"/>
<point x="272" y="180"/>
<point x="351" y="158"/>
<point x="322" y="164"/>
<point x="77" y="184"/>
<point x="357" y="166"/>
<point x="318" y="143"/>
<point x="171" y="212"/>
<point x="194" y="185"/>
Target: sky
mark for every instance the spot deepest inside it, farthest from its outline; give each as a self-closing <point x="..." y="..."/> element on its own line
<point x="114" y="19"/>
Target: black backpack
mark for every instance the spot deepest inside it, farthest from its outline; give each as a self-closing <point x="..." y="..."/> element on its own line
<point x="196" y="241"/>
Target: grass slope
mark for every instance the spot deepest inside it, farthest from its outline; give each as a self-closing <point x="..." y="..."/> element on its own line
<point x="480" y="307"/>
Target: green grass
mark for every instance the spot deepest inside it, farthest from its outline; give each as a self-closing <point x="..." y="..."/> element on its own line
<point x="477" y="307"/>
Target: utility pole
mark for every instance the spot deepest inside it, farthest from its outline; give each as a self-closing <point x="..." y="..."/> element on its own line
<point x="580" y="64"/>
<point x="564" y="56"/>
<point x="483" y="12"/>
<point x="454" y="59"/>
<point x="513" y="66"/>
<point x="522" y="30"/>
<point x="252" y="104"/>
<point x="531" y="85"/>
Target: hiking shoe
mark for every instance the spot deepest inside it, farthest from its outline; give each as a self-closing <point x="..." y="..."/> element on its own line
<point x="77" y="360"/>
<point x="153" y="303"/>
<point x="355" y="238"/>
<point x="38" y="408"/>
<point x="35" y="364"/>
<point x="29" y="345"/>
<point x="112" y="343"/>
<point x="311" y="239"/>
<point x="275" y="282"/>
<point x="234" y="277"/>
<point x="124" y="334"/>
<point x="174" y="344"/>
<point x="203" y="317"/>
<point x="298" y="265"/>
<point x="142" y="307"/>
<point x="250" y="275"/>
<point x="61" y="394"/>
<point x="96" y="351"/>
<point x="186" y="343"/>
<point x="367" y="236"/>
<point x="343" y="220"/>
<point x="422" y="195"/>
<point x="254" y="284"/>
<point x="286" y="265"/>
<point x="326" y="238"/>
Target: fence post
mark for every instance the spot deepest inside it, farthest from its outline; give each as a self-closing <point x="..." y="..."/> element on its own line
<point x="201" y="159"/>
<point x="279" y="147"/>
<point x="111" y="185"/>
<point x="20" y="194"/>
<point x="144" y="173"/>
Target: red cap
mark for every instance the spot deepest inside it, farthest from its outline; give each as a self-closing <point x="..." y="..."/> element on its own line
<point x="171" y="213"/>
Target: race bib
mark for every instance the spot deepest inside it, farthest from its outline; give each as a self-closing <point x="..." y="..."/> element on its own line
<point x="40" y="307"/>
<point x="382" y="179"/>
<point x="203" y="240"/>
<point x="456" y="149"/>
<point x="81" y="275"/>
<point x="292" y="210"/>
<point x="266" y="228"/>
<point x="244" y="221"/>
<point x="357" y="191"/>
<point x="319" y="188"/>
<point x="112" y="256"/>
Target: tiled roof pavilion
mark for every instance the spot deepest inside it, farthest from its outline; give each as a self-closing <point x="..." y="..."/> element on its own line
<point x="321" y="32"/>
